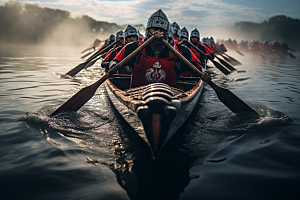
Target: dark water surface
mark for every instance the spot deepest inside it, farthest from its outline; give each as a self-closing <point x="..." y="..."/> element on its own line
<point x="94" y="154"/>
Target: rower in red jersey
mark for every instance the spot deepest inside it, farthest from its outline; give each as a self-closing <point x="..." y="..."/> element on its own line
<point x="120" y="42"/>
<point x="131" y="35"/>
<point x="155" y="63"/>
<point x="195" y="40"/>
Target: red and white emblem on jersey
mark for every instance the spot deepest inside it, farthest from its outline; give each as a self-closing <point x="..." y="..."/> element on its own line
<point x="155" y="74"/>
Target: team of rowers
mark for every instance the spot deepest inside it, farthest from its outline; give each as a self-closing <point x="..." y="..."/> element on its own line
<point x="255" y="45"/>
<point x="156" y="63"/>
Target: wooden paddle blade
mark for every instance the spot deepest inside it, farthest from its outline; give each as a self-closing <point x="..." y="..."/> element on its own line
<point x="228" y="60"/>
<point x="85" y="94"/>
<point x="234" y="103"/>
<point x="292" y="50"/>
<point x="76" y="69"/>
<point x="81" y="97"/>
<point x="234" y="60"/>
<point x="90" y="63"/>
<point x="220" y="67"/>
<point x="230" y="67"/>
<point x="291" y="55"/>
<point x="77" y="101"/>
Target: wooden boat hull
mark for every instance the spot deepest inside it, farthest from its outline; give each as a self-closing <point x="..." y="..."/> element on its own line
<point x="133" y="105"/>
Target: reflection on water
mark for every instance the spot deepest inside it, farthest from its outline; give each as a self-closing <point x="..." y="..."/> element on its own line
<point x="94" y="154"/>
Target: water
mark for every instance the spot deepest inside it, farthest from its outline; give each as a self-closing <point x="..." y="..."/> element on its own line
<point x="94" y="154"/>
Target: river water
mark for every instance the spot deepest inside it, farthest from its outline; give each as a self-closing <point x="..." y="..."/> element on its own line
<point x="94" y="154"/>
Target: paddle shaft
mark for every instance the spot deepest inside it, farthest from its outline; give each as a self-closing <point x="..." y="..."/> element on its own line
<point x="82" y="57"/>
<point x="92" y="62"/>
<point x="292" y="50"/>
<point x="235" y="104"/>
<point x="86" y="49"/>
<point x="103" y="50"/>
<point x="229" y="57"/>
<point x="81" y="66"/>
<point x="234" y="60"/>
<point x="85" y="94"/>
<point x="220" y="67"/>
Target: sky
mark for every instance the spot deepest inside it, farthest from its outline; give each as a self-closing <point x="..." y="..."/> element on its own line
<point x="201" y="14"/>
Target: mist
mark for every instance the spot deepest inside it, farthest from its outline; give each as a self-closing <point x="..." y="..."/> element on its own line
<point x="23" y="23"/>
<point x="279" y="27"/>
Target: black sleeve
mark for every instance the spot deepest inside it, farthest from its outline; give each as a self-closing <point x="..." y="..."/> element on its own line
<point x="113" y="53"/>
<point x="129" y="48"/>
<point x="181" y="66"/>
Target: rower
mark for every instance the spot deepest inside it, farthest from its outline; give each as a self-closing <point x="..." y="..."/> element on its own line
<point x="195" y="40"/>
<point x="120" y="42"/>
<point x="120" y="39"/>
<point x="156" y="63"/>
<point x="96" y="44"/>
<point x="170" y="36"/>
<point x="107" y="42"/>
<point x="131" y="35"/>
<point x="176" y="31"/>
<point x="234" y="44"/>
<point x="182" y="47"/>
<point x="184" y="35"/>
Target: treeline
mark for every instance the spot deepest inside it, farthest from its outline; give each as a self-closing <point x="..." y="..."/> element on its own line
<point x="27" y="23"/>
<point x="279" y="27"/>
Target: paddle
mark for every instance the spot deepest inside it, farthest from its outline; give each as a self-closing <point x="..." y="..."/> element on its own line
<point x="85" y="94"/>
<point x="86" y="49"/>
<point x="101" y="56"/>
<point x="292" y="50"/>
<point x="79" y="67"/>
<point x="93" y="61"/>
<point x="235" y="104"/>
<point x="220" y="67"/>
<point x="228" y="60"/>
<point x="226" y="64"/>
<point x="291" y="55"/>
<point x="102" y="51"/>
<point x="233" y="59"/>
<point x="82" y="57"/>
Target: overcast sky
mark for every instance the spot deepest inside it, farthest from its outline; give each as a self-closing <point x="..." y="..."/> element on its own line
<point x="192" y="13"/>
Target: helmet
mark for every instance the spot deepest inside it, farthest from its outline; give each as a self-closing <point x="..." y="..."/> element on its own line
<point x="195" y="33"/>
<point x="120" y="34"/>
<point x="170" y="34"/>
<point x="130" y="30"/>
<point x="176" y="29"/>
<point x="106" y="42"/>
<point x="158" y="20"/>
<point x="184" y="33"/>
<point x="112" y="38"/>
<point x="212" y="40"/>
<point x="205" y="41"/>
<point x="170" y="31"/>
